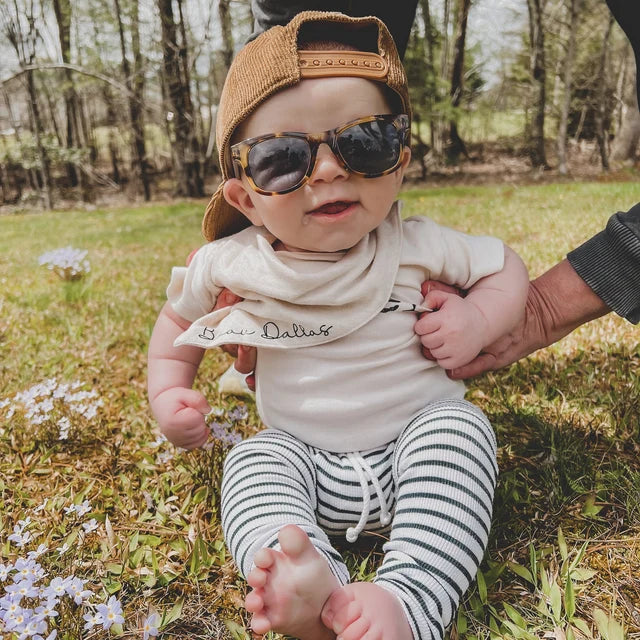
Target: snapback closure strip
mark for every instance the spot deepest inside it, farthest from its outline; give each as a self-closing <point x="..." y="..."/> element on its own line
<point x="322" y="64"/>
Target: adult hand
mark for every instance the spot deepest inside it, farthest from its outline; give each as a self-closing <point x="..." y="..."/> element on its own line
<point x="558" y="302"/>
<point x="245" y="356"/>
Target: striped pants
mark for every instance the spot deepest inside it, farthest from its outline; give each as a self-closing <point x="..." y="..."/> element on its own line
<point x="431" y="490"/>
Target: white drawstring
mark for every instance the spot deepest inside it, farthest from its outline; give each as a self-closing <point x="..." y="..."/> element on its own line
<point x="385" y="516"/>
<point x="363" y="469"/>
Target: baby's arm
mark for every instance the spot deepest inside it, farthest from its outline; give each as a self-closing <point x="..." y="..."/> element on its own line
<point x="461" y="327"/>
<point x="178" y="409"/>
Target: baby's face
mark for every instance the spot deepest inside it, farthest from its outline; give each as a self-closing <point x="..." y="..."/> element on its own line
<point x="335" y="208"/>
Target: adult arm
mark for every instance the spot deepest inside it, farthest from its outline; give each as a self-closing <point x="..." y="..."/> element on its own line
<point x="610" y="264"/>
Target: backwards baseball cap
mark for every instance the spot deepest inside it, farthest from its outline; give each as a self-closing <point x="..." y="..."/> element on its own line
<point x="274" y="61"/>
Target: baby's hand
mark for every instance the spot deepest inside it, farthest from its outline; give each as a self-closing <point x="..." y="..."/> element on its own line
<point x="454" y="332"/>
<point x="180" y="413"/>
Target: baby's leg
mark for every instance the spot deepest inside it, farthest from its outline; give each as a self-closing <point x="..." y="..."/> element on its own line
<point x="269" y="483"/>
<point x="445" y="470"/>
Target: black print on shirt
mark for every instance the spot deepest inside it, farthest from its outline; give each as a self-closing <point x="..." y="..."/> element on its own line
<point x="395" y="305"/>
<point x="271" y="331"/>
<point x="208" y="333"/>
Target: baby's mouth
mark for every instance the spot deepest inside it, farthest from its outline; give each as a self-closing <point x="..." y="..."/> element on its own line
<point x="331" y="208"/>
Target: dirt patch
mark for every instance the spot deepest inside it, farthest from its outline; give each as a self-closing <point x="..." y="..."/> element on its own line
<point x="497" y="163"/>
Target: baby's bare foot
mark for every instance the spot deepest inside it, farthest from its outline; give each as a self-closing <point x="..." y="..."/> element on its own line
<point x="366" y="611"/>
<point x="290" y="587"/>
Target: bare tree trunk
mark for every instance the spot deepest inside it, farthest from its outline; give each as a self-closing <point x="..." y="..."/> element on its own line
<point x="224" y="14"/>
<point x="189" y="178"/>
<point x="430" y="68"/>
<point x="561" y="138"/>
<point x="456" y="145"/>
<point x="62" y="10"/>
<point x="438" y="120"/>
<point x="52" y="113"/>
<point x="537" y="68"/>
<point x="621" y="83"/>
<point x="626" y="140"/>
<point x="15" y="124"/>
<point x="45" y="165"/>
<point x="137" y="111"/>
<point x="140" y="166"/>
<point x="24" y="44"/>
<point x="601" y="96"/>
<point x="112" y="125"/>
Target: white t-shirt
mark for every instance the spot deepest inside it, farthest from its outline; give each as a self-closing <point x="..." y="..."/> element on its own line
<point x="360" y="390"/>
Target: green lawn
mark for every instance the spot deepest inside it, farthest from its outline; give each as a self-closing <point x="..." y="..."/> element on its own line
<point x="564" y="557"/>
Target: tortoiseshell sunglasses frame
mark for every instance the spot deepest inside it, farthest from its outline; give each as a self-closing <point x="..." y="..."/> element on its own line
<point x="240" y="151"/>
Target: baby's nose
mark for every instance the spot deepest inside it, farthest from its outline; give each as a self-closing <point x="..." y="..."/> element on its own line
<point x="328" y="166"/>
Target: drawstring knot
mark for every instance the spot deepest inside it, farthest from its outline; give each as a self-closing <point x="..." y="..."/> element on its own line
<point x="365" y="473"/>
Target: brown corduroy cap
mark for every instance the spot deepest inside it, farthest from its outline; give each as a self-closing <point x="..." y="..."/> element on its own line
<point x="272" y="62"/>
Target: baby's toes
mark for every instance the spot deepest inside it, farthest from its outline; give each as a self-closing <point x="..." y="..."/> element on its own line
<point x="264" y="558"/>
<point x="254" y="602"/>
<point x="260" y="623"/>
<point x="257" y="578"/>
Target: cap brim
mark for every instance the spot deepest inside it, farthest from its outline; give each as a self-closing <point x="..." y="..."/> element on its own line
<point x="220" y="218"/>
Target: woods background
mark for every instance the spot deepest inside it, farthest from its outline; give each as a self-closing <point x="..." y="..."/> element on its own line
<point x="118" y="97"/>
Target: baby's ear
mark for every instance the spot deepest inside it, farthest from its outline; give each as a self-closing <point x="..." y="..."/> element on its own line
<point x="406" y="157"/>
<point x="239" y="196"/>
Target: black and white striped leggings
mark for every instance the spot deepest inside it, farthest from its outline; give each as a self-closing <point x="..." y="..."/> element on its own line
<point x="431" y="490"/>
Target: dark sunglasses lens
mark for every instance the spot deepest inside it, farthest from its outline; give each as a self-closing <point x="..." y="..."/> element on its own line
<point x="278" y="164"/>
<point x="370" y="147"/>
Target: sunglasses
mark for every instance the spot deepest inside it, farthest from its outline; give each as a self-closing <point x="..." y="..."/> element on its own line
<point x="278" y="163"/>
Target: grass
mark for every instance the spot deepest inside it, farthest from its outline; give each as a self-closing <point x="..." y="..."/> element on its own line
<point x="564" y="555"/>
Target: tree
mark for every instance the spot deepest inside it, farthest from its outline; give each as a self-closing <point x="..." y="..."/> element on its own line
<point x="456" y="145"/>
<point x="62" y="10"/>
<point x="538" y="79"/>
<point x="601" y="93"/>
<point x="135" y="85"/>
<point x="430" y="86"/>
<point x="189" y="179"/>
<point x="20" y="28"/>
<point x="573" y="9"/>
<point x="224" y="14"/>
<point x="626" y="141"/>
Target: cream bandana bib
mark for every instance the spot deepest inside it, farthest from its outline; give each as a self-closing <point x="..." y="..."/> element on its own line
<point x="291" y="299"/>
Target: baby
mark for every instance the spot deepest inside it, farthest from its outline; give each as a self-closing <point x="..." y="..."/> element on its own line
<point x="363" y="433"/>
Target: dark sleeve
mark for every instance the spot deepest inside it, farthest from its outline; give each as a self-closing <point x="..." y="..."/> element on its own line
<point x="610" y="264"/>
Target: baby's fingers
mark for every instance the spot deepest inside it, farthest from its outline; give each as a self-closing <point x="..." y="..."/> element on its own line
<point x="195" y="400"/>
<point x="427" y="323"/>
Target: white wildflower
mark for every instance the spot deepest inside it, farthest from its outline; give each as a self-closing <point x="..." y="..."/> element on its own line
<point x="150" y="626"/>
<point x="68" y="263"/>
<point x="90" y="526"/>
<point x="111" y="612"/>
